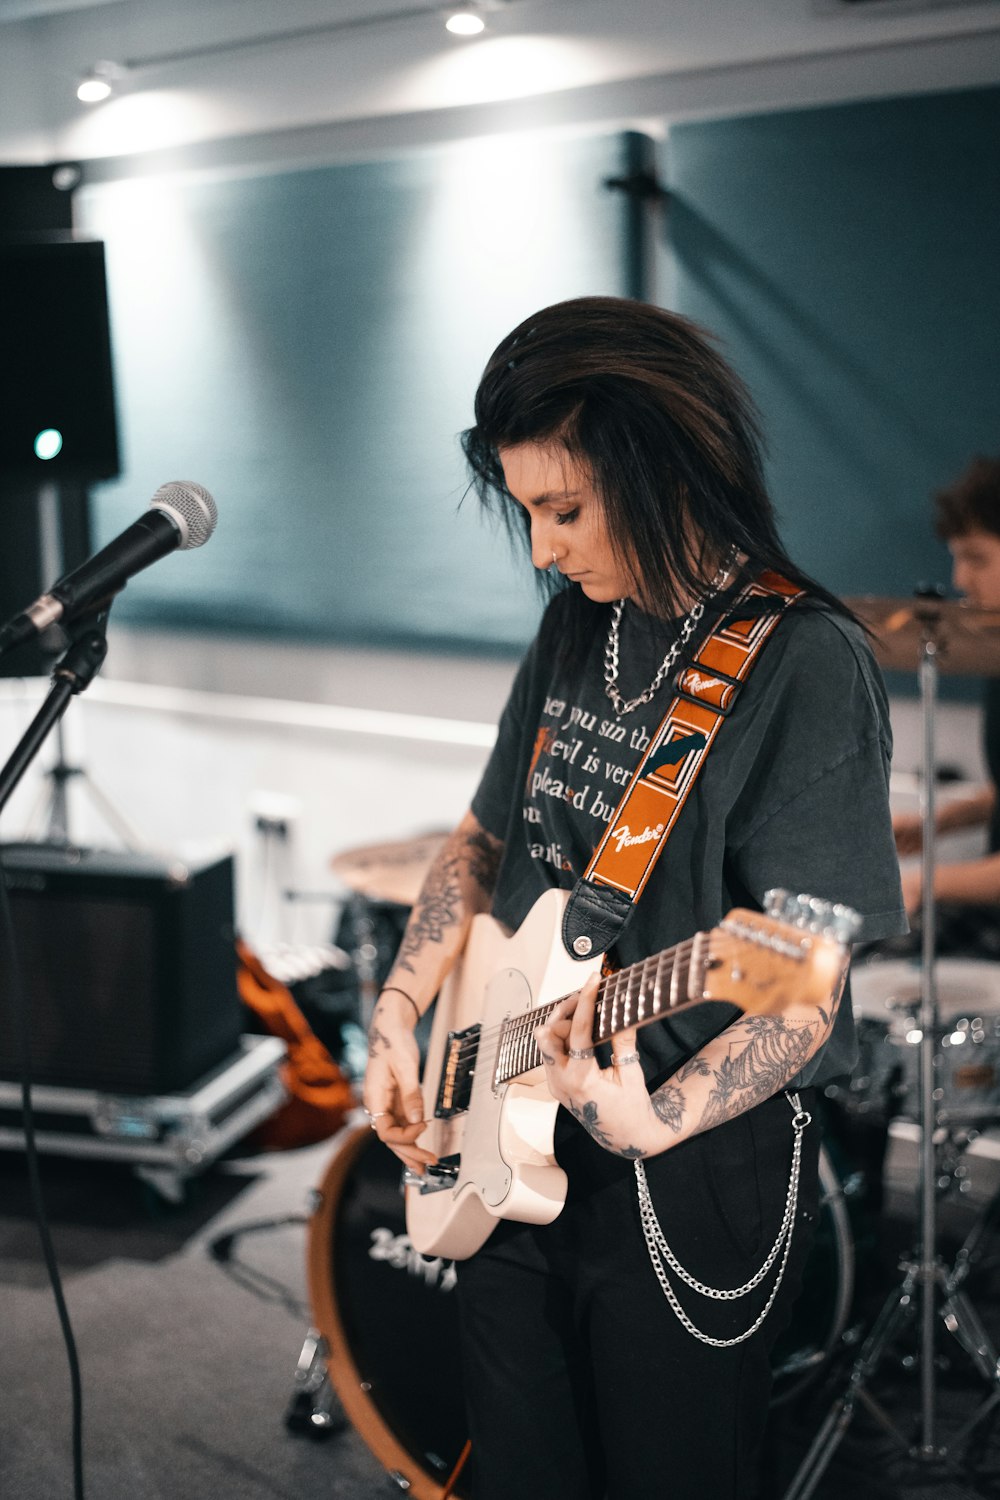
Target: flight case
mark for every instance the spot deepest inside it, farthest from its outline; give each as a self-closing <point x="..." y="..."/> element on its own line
<point x="167" y="1138"/>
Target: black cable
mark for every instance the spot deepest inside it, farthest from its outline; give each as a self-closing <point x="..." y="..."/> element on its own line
<point x="19" y="1010"/>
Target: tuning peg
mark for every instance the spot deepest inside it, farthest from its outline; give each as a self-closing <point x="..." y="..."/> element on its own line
<point x="810" y="914"/>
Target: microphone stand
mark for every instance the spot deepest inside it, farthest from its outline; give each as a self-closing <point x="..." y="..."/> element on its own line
<point x="73" y="674"/>
<point x="925" y="1277"/>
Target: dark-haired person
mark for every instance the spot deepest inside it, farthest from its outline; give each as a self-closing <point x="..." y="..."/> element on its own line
<point x="624" y="450"/>
<point x="967" y="518"/>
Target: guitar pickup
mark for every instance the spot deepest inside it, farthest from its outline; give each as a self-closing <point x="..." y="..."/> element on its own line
<point x="433" y="1179"/>
<point x="457" y="1072"/>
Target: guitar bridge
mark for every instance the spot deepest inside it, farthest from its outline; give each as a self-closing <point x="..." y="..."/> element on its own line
<point x="435" y="1178"/>
<point x="455" y="1087"/>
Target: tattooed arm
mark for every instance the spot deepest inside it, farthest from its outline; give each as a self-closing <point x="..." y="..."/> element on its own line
<point x="459" y="884"/>
<point x="752" y="1059"/>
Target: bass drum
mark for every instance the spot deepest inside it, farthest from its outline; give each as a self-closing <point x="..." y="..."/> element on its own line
<point x="824" y="1303"/>
<point x="390" y="1321"/>
<point x="390" y="1318"/>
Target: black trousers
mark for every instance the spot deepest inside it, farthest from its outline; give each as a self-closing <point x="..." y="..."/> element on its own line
<point x="580" y="1382"/>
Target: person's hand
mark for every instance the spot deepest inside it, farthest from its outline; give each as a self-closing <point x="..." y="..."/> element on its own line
<point x="611" y="1103"/>
<point x="913" y="890"/>
<point x="392" y="1097"/>
<point x="908" y="831"/>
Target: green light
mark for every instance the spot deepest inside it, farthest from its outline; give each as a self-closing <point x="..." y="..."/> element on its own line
<point x="48" y="443"/>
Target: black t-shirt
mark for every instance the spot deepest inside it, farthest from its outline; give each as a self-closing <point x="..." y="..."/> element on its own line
<point x="794" y="794"/>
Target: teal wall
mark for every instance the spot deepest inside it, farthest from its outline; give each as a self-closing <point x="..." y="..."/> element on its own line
<point x="307" y="345"/>
<point x="849" y="259"/>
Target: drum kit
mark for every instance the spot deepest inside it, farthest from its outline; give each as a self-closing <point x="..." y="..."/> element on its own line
<point x="929" y="1039"/>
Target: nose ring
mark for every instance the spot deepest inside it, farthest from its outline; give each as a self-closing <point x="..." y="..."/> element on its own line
<point x="553" y="559"/>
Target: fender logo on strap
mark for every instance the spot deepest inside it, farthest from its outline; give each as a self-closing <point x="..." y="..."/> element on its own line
<point x="699" y="684"/>
<point x="625" y="838"/>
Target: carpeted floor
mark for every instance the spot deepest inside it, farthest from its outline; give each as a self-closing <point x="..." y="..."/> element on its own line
<point x="188" y="1359"/>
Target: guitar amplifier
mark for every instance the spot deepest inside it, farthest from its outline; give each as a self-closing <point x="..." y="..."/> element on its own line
<point x="129" y="968"/>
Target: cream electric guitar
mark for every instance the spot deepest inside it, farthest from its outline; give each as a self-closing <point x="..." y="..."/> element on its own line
<point x="491" y="1115"/>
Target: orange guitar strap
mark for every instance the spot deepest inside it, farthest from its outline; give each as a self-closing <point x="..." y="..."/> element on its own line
<point x="623" y="861"/>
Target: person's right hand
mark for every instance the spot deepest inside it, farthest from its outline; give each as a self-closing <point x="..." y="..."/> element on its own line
<point x="908" y="831"/>
<point x="392" y="1097"/>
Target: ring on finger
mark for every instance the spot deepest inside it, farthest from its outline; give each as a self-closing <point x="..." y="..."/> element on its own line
<point x="379" y="1114"/>
<point x="580" y="1053"/>
<point x="624" y="1058"/>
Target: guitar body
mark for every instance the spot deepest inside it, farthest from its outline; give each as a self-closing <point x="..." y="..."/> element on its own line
<point x="504" y="1140"/>
<point x="491" y="1115"/>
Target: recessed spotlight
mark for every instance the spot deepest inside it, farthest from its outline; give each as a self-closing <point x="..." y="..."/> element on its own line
<point x="465" y="22"/>
<point x="48" y="443"/>
<point x="98" y="83"/>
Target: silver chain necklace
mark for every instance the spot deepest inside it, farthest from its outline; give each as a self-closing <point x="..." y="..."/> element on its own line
<point x="625" y="706"/>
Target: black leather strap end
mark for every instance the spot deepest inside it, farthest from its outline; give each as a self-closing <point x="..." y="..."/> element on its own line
<point x="594" y="918"/>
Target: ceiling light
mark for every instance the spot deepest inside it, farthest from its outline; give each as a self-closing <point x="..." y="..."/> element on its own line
<point x="98" y="83"/>
<point x="465" y="22"/>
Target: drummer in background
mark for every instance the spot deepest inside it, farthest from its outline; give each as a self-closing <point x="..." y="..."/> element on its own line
<point x="967" y="518"/>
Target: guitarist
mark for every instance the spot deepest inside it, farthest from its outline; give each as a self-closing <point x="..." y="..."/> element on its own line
<point x="612" y="437"/>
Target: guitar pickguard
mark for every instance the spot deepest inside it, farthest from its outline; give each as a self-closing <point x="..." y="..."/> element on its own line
<point x="503" y="1141"/>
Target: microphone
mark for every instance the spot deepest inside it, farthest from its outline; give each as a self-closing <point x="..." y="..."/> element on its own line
<point x="181" y="515"/>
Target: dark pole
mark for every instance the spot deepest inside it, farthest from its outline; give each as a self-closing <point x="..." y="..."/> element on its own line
<point x="639" y="187"/>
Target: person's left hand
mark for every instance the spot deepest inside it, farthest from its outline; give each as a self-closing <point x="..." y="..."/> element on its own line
<point x="611" y="1103"/>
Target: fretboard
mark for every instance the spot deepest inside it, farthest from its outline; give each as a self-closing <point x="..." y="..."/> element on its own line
<point x="643" y="992"/>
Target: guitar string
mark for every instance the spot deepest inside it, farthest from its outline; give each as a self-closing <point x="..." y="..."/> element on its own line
<point x="519" y="1029"/>
<point x="672" y="956"/>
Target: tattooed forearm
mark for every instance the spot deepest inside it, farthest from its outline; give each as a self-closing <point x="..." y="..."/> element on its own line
<point x="775" y="1052"/>
<point x="586" y="1113"/>
<point x="464" y="872"/>
<point x="484" y="859"/>
<point x="437" y="909"/>
<point x="377" y="1041"/>
<point x="668" y="1105"/>
<point x="694" y="1066"/>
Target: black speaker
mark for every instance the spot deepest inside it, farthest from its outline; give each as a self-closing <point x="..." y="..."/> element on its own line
<point x="57" y="409"/>
<point x="38" y="200"/>
<point x="129" y="965"/>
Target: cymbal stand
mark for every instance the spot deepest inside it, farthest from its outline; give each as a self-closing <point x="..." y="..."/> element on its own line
<point x="925" y="1278"/>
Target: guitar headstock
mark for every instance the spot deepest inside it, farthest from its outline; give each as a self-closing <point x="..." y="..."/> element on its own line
<point x="793" y="953"/>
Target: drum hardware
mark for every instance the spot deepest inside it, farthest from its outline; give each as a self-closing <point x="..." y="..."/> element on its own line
<point x="381" y="878"/>
<point x="885" y="1084"/>
<point x="314" y="1409"/>
<point x="365" y="954"/>
<point x="954" y="638"/>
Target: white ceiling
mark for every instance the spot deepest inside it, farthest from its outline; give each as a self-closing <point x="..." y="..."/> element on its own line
<point x="360" y="74"/>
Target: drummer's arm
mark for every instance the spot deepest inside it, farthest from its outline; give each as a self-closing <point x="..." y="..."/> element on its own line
<point x="964" y="812"/>
<point x="967" y="812"/>
<point x="459" y="885"/>
<point x="974" y="882"/>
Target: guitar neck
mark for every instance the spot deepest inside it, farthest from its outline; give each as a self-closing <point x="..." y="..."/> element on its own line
<point x="634" y="996"/>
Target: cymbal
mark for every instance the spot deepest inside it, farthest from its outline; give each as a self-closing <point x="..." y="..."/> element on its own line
<point x="967" y="639"/>
<point x="389" y="872"/>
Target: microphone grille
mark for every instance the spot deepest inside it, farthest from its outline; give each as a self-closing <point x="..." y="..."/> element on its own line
<point x="191" y="507"/>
